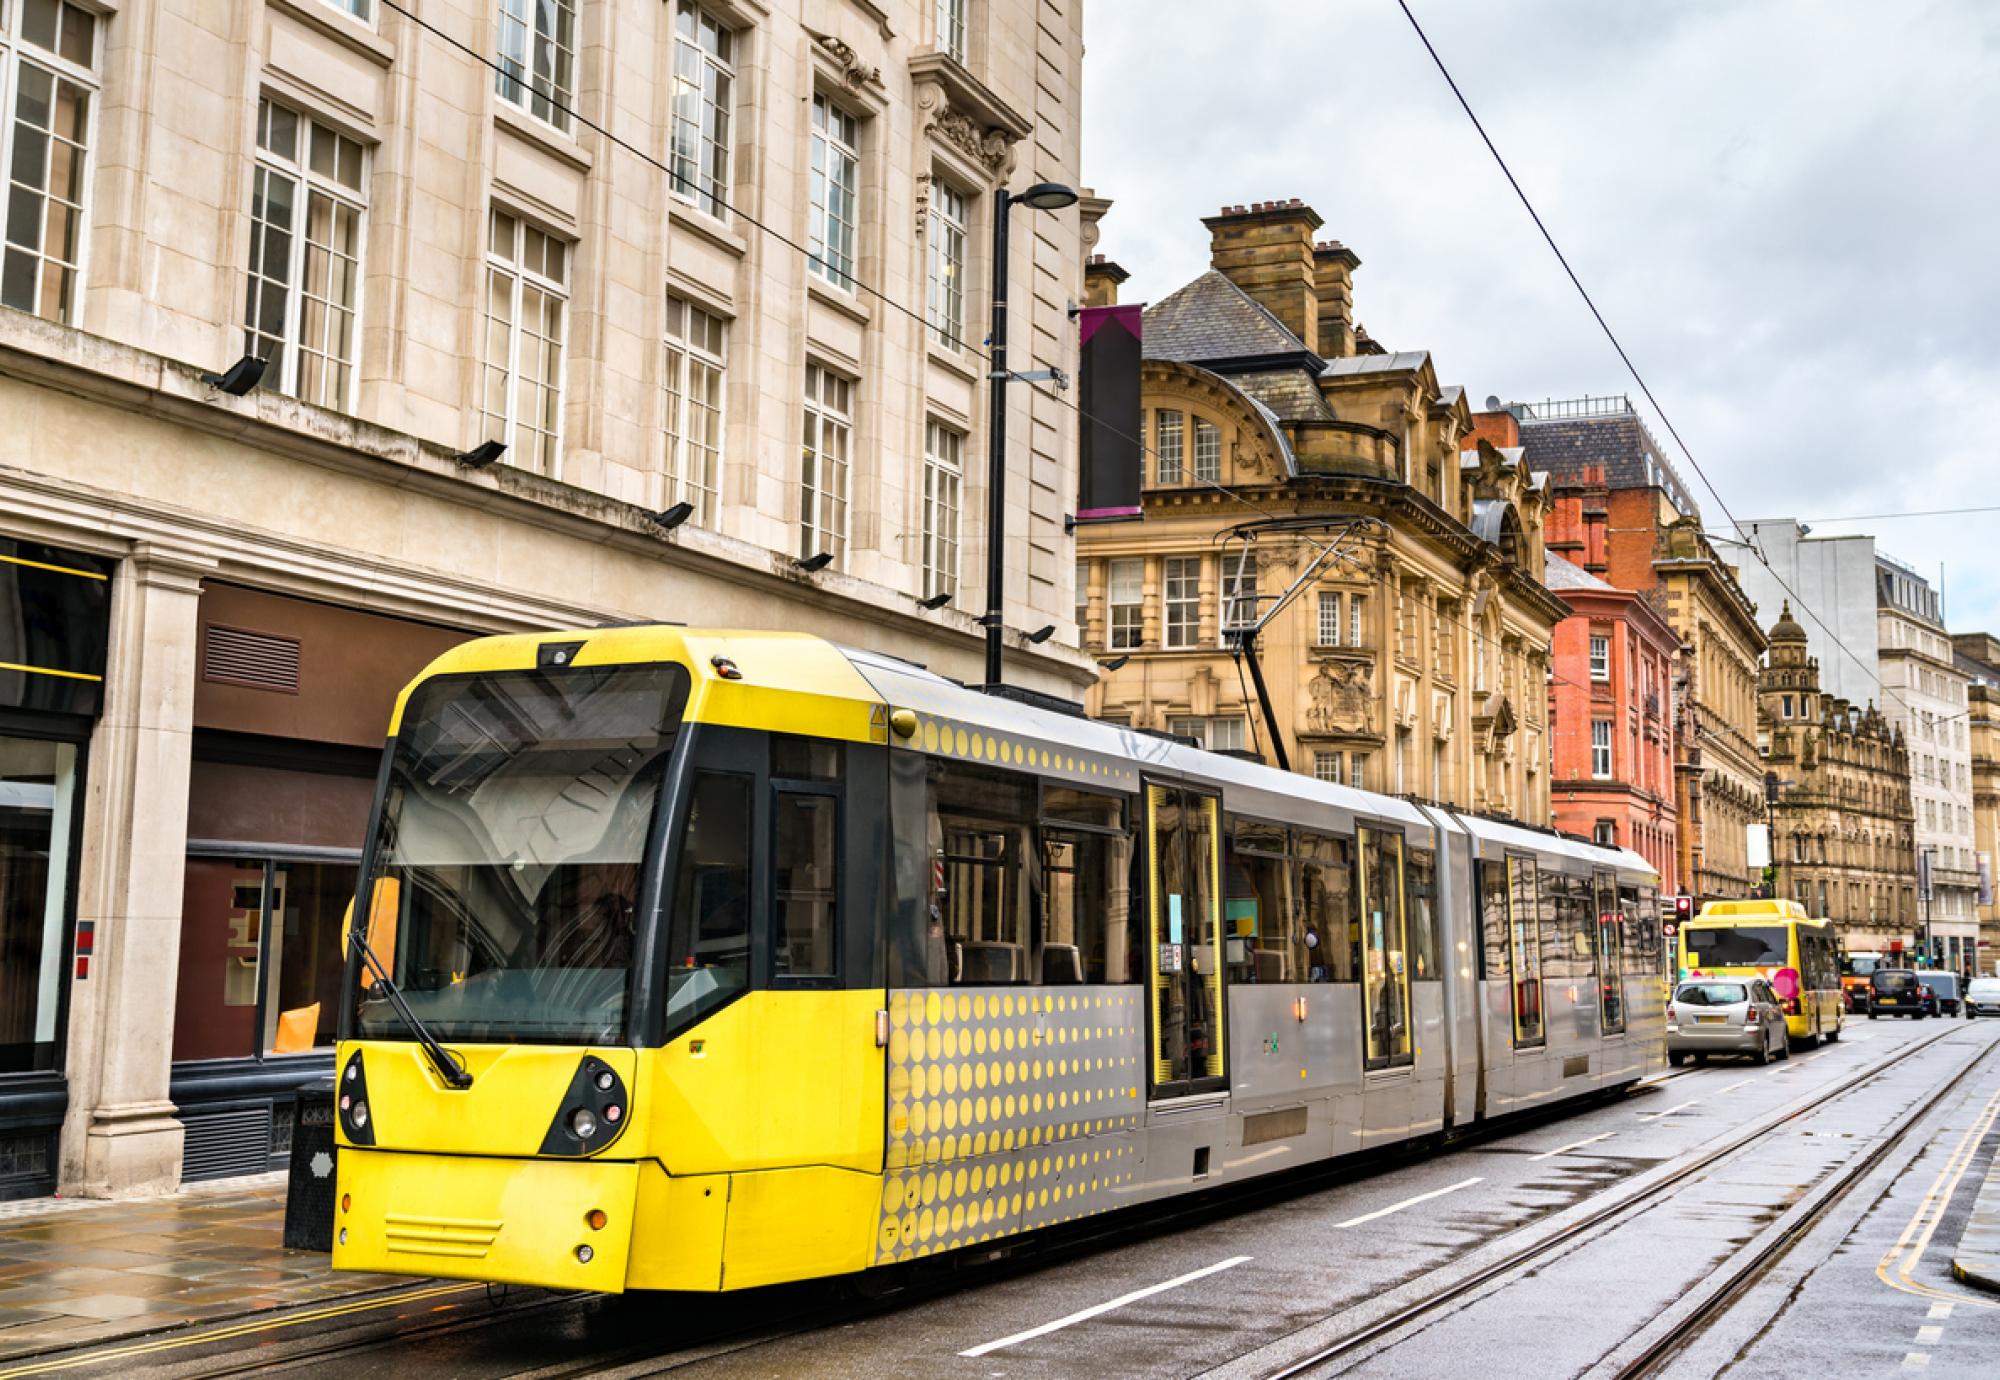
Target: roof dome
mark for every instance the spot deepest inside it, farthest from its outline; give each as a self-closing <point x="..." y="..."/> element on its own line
<point x="1787" y="628"/>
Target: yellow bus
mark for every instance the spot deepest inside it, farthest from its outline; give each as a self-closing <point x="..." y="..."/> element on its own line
<point x="1778" y="941"/>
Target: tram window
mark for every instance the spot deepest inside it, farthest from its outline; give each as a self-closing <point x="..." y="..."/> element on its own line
<point x="1262" y="937"/>
<point x="1082" y="807"/>
<point x="1567" y="930"/>
<point x="708" y="946"/>
<point x="1524" y="946"/>
<point x="984" y="833"/>
<point x="1385" y="958"/>
<point x="1086" y="908"/>
<point x="1610" y="955"/>
<point x="1420" y="895"/>
<point x="805" y="864"/>
<point x="1333" y="924"/>
<point x="805" y="759"/>
<point x="1493" y="920"/>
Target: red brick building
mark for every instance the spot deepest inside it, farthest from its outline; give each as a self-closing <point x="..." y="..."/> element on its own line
<point x="1610" y="713"/>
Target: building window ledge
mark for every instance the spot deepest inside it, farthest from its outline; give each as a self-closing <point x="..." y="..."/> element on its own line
<point x="541" y="135"/>
<point x="682" y="216"/>
<point x="344" y="29"/>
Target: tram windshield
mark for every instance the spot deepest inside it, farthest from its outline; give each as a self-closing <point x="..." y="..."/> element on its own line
<point x="511" y="850"/>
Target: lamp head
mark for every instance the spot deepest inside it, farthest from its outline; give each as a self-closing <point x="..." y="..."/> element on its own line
<point x="818" y="561"/>
<point x="239" y="378"/>
<point x="674" y="516"/>
<point x="1042" y="634"/>
<point x="1048" y="196"/>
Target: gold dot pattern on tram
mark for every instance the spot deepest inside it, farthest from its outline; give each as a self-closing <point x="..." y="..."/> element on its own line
<point x="955" y="740"/>
<point x="1009" y="1109"/>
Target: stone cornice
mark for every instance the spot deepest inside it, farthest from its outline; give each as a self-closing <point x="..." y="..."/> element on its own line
<point x="71" y="361"/>
<point x="959" y="109"/>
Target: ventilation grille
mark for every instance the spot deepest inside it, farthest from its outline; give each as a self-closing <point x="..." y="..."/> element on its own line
<point x="454" y="1238"/>
<point x="261" y="660"/>
<point x="1266" y="1126"/>
<point x="1576" y="1066"/>
<point x="25" y="1164"/>
<point x="221" y="1145"/>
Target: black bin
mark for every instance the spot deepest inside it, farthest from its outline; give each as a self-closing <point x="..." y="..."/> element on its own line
<point x="310" y="1191"/>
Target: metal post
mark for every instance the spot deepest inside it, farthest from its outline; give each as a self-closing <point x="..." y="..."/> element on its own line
<point x="996" y="442"/>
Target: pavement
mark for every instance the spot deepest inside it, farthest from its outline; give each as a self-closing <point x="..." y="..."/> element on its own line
<point x="1976" y="1260"/>
<point x="76" y="1271"/>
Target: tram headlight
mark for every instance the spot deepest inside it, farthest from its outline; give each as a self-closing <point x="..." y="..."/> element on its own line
<point x="353" y="1102"/>
<point x="583" y="1122"/>
<point x="359" y="1114"/>
<point x="584" y="1254"/>
<point x="592" y="1113"/>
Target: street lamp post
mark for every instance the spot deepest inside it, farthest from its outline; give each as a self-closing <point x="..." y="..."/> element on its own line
<point x="1043" y="196"/>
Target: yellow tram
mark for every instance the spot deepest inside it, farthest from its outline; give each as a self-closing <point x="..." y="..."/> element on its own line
<point x="704" y="960"/>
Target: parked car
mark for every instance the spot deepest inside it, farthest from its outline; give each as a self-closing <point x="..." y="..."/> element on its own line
<point x="1944" y="991"/>
<point x="1898" y="992"/>
<point x="1726" y="1016"/>
<point x="1982" y="997"/>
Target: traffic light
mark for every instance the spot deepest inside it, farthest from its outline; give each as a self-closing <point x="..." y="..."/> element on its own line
<point x="1683" y="909"/>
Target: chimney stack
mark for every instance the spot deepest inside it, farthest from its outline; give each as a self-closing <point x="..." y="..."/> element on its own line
<point x="1333" y="284"/>
<point x="1266" y="249"/>
<point x="1101" y="278"/>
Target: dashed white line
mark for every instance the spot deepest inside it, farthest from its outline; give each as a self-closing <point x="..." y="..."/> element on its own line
<point x="1060" y="1323"/>
<point x="1939" y="1311"/>
<point x="1655" y="1116"/>
<point x="1573" y="1145"/>
<point x="1739" y="1083"/>
<point x="1916" y="1360"/>
<point x="1929" y="1336"/>
<point x="1409" y="1202"/>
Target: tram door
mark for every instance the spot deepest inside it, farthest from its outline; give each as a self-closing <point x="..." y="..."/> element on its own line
<point x="1184" y="875"/>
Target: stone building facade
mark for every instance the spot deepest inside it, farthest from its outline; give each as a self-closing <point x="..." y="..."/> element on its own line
<point x="1285" y="448"/>
<point x="1610" y="711"/>
<point x="1646" y="536"/>
<point x="1841" y="819"/>
<point x="1924" y="694"/>
<point x="1977" y="656"/>
<point x="433" y="250"/>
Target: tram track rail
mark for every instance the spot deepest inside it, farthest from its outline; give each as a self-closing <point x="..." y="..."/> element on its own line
<point x="1627" y="1201"/>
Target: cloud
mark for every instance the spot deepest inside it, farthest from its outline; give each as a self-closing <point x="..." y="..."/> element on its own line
<point x="1785" y="210"/>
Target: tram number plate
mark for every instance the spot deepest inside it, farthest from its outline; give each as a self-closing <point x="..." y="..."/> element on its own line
<point x="1710" y="1020"/>
<point x="1170" y="958"/>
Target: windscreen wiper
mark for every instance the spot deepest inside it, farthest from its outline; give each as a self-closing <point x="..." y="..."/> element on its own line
<point x="449" y="1066"/>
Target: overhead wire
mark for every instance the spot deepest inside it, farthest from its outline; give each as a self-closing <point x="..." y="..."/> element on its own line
<point x="1633" y="369"/>
<point x="890" y="303"/>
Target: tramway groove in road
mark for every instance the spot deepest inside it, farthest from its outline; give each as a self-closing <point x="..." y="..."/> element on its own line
<point x="1670" y="1333"/>
<point x="1663" y="1179"/>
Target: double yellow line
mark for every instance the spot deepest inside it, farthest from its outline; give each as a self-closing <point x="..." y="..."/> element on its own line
<point x="248" y="1328"/>
<point x="1898" y="1266"/>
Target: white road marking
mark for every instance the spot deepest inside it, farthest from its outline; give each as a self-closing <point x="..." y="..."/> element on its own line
<point x="1411" y="1203"/>
<point x="1916" y="1360"/>
<point x="1929" y="1336"/>
<point x="1939" y="1311"/>
<point x="1741" y="1082"/>
<point x="1573" y="1145"/>
<point x="1060" y="1323"/>
<point x="1655" y="1116"/>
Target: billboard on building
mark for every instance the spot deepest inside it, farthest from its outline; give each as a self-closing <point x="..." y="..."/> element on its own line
<point x="1108" y="395"/>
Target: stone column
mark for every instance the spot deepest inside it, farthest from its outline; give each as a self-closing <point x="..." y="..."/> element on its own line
<point x="121" y="1137"/>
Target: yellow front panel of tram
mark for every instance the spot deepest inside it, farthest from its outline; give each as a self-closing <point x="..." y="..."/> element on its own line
<point x="516" y="1094"/>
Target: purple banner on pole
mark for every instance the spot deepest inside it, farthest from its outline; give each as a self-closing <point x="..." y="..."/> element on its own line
<point x="1112" y="456"/>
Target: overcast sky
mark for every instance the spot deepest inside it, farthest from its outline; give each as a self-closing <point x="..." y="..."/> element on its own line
<point x="1788" y="211"/>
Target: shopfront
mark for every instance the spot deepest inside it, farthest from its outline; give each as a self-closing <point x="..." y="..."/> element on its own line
<point x="54" y="626"/>
<point x="291" y="705"/>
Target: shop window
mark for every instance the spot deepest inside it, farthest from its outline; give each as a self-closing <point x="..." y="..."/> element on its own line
<point x="36" y="829"/>
<point x="260" y="959"/>
<point x="1333" y="927"/>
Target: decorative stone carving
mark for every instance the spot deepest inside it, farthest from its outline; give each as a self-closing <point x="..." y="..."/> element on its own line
<point x="1342" y="698"/>
<point x="854" y="73"/>
<point x="988" y="145"/>
<point x="923" y="203"/>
